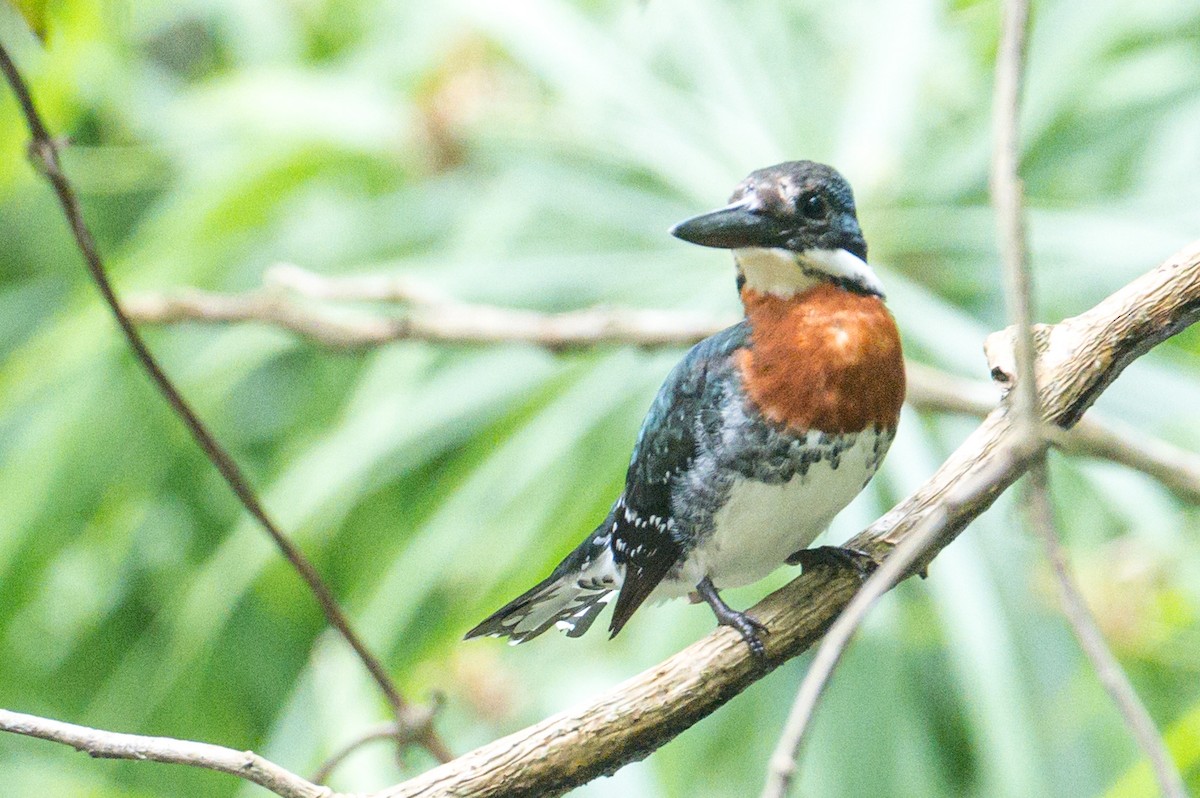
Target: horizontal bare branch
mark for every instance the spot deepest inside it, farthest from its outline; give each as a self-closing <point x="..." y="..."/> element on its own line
<point x="430" y="317"/>
<point x="435" y="317"/>
<point x="1176" y="468"/>
<point x="114" y="745"/>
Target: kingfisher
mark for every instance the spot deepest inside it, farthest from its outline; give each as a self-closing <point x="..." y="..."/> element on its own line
<point x="759" y="436"/>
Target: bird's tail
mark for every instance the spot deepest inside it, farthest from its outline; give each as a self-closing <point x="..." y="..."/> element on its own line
<point x="570" y="598"/>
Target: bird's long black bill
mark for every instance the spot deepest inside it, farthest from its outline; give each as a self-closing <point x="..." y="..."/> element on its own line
<point x="730" y="228"/>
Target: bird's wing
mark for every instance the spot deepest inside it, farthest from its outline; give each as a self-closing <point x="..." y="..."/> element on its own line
<point x="644" y="537"/>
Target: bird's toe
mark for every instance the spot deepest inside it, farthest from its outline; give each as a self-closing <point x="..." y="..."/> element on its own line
<point x="857" y="560"/>
<point x="750" y="628"/>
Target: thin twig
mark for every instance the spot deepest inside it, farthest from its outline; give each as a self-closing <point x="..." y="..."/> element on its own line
<point x="430" y="316"/>
<point x="1110" y="673"/>
<point x="381" y="731"/>
<point x="899" y="563"/>
<point x="1178" y="469"/>
<point x="1008" y="200"/>
<point x="416" y="723"/>
<point x="114" y="745"/>
<point x="45" y="154"/>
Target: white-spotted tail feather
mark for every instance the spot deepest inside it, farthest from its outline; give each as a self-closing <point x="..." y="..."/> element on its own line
<point x="570" y="598"/>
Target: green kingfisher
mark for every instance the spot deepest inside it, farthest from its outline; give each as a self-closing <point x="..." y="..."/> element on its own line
<point x="760" y="435"/>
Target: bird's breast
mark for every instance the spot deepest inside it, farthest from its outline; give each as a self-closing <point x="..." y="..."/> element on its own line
<point x="826" y="359"/>
<point x="766" y="516"/>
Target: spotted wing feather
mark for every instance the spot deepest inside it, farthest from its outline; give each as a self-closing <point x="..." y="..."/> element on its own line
<point x="646" y="539"/>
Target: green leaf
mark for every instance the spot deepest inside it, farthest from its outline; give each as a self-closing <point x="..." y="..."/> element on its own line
<point x="35" y="13"/>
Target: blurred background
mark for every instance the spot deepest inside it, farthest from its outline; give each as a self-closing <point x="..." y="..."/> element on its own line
<point x="532" y="154"/>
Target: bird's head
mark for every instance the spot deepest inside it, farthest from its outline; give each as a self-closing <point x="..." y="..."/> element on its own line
<point x="790" y="226"/>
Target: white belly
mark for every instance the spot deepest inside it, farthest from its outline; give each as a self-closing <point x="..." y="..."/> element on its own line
<point x="762" y="524"/>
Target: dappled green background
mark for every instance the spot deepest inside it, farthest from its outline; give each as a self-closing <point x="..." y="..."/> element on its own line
<point x="533" y="154"/>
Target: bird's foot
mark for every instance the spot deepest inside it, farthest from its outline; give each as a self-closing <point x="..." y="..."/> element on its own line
<point x="749" y="628"/>
<point x="746" y="625"/>
<point x="859" y="561"/>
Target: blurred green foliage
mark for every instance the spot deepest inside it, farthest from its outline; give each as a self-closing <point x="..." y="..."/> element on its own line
<point x="532" y="154"/>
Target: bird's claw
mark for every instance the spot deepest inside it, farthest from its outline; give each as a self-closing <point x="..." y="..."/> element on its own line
<point x="746" y="625"/>
<point x="857" y="560"/>
<point x="749" y="628"/>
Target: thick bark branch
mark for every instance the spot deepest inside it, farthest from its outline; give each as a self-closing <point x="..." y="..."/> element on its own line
<point x="1078" y="358"/>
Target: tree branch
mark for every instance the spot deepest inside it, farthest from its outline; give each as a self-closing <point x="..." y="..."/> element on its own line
<point x="113" y="745"/>
<point x="433" y="317"/>
<point x="1178" y="469"/>
<point x="1023" y="444"/>
<point x="1008" y="199"/>
<point x="43" y="150"/>
<point x="1109" y="672"/>
<point x="1078" y="358"/>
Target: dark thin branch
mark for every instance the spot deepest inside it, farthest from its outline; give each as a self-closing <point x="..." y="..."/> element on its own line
<point x="416" y="724"/>
<point x="44" y="152"/>
<point x="381" y="731"/>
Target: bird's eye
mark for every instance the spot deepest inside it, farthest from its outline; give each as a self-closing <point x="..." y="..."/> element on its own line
<point x="814" y="206"/>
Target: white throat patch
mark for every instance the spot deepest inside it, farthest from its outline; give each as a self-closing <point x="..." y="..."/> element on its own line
<point x="785" y="273"/>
